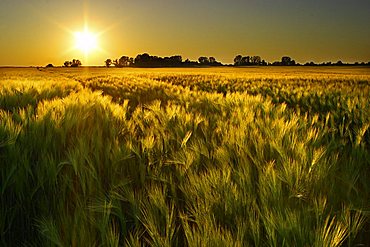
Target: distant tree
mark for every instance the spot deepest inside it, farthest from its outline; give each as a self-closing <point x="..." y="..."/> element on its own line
<point x="115" y="63"/>
<point x="76" y="63"/>
<point x="255" y="60"/>
<point x="203" y="60"/>
<point x="176" y="60"/>
<point x="49" y="65"/>
<point x="142" y="60"/>
<point x="125" y="61"/>
<point x="67" y="63"/>
<point x="238" y="60"/>
<point x="173" y="61"/>
<point x="108" y="62"/>
<point x="287" y="61"/>
<point x="339" y="63"/>
<point x="73" y="63"/>
<point x="246" y="60"/>
<point x="143" y="57"/>
<point x="212" y="60"/>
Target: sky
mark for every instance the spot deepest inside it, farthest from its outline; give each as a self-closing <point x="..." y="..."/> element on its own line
<point x="38" y="32"/>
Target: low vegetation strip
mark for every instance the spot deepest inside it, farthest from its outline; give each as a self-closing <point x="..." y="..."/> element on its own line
<point x="186" y="157"/>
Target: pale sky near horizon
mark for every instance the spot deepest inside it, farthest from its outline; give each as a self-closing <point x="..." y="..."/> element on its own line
<point x="38" y="32"/>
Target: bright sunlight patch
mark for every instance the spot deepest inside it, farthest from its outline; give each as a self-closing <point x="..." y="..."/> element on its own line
<point x="86" y="41"/>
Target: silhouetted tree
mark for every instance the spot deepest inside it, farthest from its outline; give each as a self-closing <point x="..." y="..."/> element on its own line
<point x="49" y="65"/>
<point x="76" y="63"/>
<point x="73" y="63"/>
<point x="203" y="60"/>
<point x="255" y="60"/>
<point x="246" y="60"/>
<point x="142" y="60"/>
<point x="125" y="61"/>
<point x="212" y="60"/>
<point x="287" y="61"/>
<point x="115" y="62"/>
<point x="108" y="62"/>
<point x="67" y="63"/>
<point x="238" y="60"/>
<point x="176" y="60"/>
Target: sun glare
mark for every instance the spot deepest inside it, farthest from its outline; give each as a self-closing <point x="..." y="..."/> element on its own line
<point x="86" y="41"/>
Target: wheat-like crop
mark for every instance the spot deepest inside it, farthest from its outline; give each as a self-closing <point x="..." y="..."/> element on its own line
<point x="184" y="157"/>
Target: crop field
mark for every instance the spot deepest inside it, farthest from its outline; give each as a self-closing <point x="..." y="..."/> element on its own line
<point x="264" y="156"/>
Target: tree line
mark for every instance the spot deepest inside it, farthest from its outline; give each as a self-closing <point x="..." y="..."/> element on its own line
<point x="146" y="61"/>
<point x="73" y="63"/>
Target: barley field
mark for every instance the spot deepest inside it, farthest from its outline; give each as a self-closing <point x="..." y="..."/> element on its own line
<point x="264" y="156"/>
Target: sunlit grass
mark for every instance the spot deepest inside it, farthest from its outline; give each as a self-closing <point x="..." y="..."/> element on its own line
<point x="184" y="158"/>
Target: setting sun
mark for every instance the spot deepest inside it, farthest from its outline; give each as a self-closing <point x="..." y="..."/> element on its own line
<point x="86" y="41"/>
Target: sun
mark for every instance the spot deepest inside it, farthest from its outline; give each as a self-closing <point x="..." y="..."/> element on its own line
<point x="86" y="41"/>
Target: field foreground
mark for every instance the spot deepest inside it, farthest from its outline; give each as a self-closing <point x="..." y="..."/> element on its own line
<point x="185" y="157"/>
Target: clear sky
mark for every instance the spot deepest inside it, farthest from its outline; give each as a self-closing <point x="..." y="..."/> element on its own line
<point x="38" y="32"/>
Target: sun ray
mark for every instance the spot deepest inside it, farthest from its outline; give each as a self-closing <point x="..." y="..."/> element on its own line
<point x="71" y="50"/>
